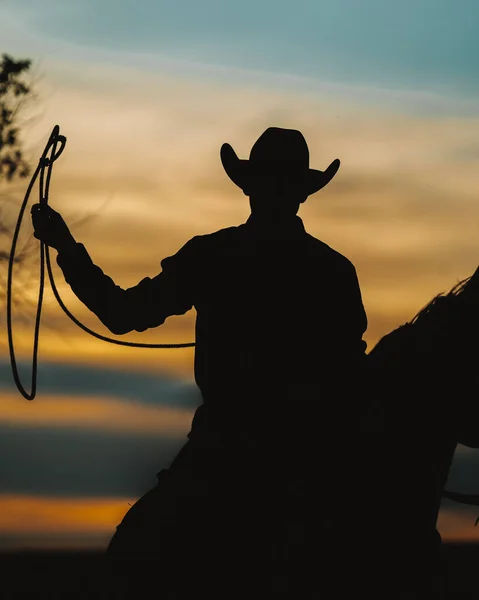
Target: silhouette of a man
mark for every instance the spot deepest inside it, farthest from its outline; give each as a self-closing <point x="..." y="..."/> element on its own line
<point x="275" y="306"/>
<point x="280" y="317"/>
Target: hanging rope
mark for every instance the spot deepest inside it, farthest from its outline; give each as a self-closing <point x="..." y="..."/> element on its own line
<point x="45" y="165"/>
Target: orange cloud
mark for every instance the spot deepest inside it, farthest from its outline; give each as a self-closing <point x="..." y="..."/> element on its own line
<point x="35" y="519"/>
<point x="42" y="514"/>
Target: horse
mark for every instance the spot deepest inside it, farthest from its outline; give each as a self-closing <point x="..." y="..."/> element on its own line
<point x="423" y="380"/>
<point x="417" y="405"/>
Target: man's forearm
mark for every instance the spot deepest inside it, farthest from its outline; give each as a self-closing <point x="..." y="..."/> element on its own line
<point x="145" y="305"/>
<point x="68" y="247"/>
<point x="93" y="288"/>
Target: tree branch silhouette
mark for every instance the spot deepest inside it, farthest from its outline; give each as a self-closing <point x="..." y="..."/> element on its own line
<point x="18" y="96"/>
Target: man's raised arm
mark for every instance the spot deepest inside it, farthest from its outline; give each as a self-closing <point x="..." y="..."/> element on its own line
<point x="146" y="305"/>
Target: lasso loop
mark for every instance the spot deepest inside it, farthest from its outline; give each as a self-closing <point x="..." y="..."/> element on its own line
<point x="45" y="164"/>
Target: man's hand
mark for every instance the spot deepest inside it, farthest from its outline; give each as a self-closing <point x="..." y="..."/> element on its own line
<point x="50" y="228"/>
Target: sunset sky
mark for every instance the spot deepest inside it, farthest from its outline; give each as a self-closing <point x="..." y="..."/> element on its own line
<point x="146" y="93"/>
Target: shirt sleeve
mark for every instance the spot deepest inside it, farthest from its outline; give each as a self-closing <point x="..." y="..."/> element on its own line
<point x="359" y="311"/>
<point x="353" y="320"/>
<point x="148" y="304"/>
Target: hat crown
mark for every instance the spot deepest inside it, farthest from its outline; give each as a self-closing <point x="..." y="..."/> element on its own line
<point x="277" y="153"/>
<point x="281" y="145"/>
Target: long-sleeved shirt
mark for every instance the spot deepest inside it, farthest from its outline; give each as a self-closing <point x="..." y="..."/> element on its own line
<point x="275" y="312"/>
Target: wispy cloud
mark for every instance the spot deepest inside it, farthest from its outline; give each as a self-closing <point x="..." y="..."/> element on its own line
<point x="82" y="462"/>
<point x="409" y="44"/>
<point x="91" y="431"/>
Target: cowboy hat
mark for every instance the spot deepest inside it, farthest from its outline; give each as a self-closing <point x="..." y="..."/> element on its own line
<point x="277" y="152"/>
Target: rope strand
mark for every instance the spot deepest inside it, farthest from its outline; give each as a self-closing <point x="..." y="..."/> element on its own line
<point x="46" y="164"/>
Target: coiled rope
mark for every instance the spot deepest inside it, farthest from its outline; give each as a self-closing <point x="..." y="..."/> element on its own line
<point x="46" y="164"/>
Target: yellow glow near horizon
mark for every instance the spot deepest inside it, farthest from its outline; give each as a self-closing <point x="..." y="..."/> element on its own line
<point x="43" y="514"/>
<point x="98" y="517"/>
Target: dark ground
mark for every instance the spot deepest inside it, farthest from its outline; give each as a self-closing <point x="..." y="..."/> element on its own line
<point x="82" y="575"/>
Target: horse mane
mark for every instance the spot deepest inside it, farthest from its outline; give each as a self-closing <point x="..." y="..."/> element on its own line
<point x="441" y="300"/>
<point x="446" y="315"/>
<point x="436" y="320"/>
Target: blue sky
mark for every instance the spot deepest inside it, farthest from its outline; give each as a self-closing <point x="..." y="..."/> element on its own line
<point x="420" y="44"/>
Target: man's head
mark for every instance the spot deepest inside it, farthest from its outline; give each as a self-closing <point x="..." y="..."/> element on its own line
<point x="277" y="177"/>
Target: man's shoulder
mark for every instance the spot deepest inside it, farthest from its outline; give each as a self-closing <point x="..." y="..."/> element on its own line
<point x="320" y="248"/>
<point x="220" y="236"/>
<point x="204" y="245"/>
<point x="227" y="235"/>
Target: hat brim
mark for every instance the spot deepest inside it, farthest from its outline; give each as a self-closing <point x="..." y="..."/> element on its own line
<point x="240" y="172"/>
